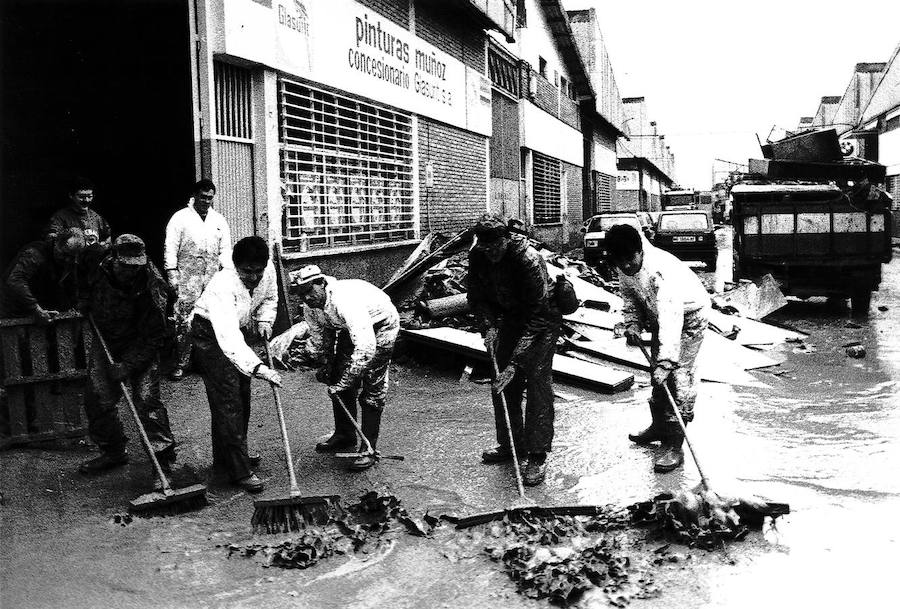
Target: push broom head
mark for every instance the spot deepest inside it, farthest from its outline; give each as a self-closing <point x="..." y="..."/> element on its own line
<point x="285" y="514"/>
<point x="177" y="501"/>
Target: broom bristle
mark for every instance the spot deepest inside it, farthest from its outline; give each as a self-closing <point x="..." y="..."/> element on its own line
<point x="159" y="504"/>
<point x="283" y="515"/>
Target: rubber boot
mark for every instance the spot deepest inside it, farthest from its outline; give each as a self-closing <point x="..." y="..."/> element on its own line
<point x="656" y="431"/>
<point x="671" y="455"/>
<point x="344" y="435"/>
<point x="535" y="469"/>
<point x="371" y="426"/>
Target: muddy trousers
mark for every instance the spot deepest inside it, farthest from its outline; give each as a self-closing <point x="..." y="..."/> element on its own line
<point x="371" y="387"/>
<point x="102" y="394"/>
<point x="683" y="381"/>
<point x="228" y="392"/>
<point x="532" y="433"/>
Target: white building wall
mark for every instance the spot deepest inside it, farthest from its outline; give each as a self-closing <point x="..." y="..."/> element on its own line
<point x="533" y="41"/>
<point x="889" y="151"/>
<point x="548" y="134"/>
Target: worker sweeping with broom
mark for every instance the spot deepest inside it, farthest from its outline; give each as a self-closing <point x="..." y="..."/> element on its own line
<point x="238" y="301"/>
<point x="353" y="326"/>
<point x="663" y="295"/>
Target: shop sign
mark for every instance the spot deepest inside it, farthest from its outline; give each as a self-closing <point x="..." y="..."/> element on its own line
<point x="346" y="45"/>
<point x="627" y="180"/>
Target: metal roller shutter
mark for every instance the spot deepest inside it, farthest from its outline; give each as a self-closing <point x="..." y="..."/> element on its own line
<point x="547" y="189"/>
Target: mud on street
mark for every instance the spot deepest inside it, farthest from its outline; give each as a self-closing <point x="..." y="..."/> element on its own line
<point x="821" y="432"/>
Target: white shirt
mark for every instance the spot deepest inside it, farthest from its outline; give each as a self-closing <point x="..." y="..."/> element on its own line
<point x="229" y="306"/>
<point x="659" y="295"/>
<point x="356" y="306"/>
<point x="194" y="245"/>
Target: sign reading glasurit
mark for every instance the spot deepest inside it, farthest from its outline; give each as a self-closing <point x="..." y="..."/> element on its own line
<point x="343" y="44"/>
<point x="627" y="180"/>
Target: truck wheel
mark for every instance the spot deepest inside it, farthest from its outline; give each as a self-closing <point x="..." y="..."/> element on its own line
<point x="711" y="263"/>
<point x="859" y="302"/>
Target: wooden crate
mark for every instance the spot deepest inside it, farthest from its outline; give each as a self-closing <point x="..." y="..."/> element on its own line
<point x="42" y="377"/>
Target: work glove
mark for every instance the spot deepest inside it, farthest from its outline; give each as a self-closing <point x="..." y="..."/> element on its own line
<point x="267" y="374"/>
<point x="334" y="390"/>
<point x="44" y="316"/>
<point x="264" y="329"/>
<point x="323" y="374"/>
<point x="491" y="337"/>
<point x="661" y="372"/>
<point x="504" y="378"/>
<point x="632" y="336"/>
<point x="118" y="372"/>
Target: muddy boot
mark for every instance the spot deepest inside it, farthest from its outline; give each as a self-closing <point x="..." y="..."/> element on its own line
<point x="535" y="469"/>
<point x="498" y="454"/>
<point x="655" y="432"/>
<point x="671" y="455"/>
<point x="106" y="461"/>
<point x="371" y="426"/>
<point x="344" y="435"/>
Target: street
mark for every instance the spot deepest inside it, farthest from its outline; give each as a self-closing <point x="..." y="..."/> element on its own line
<point x="823" y="436"/>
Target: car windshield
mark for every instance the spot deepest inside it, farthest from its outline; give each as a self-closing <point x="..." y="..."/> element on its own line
<point x="683" y="222"/>
<point x="607" y="222"/>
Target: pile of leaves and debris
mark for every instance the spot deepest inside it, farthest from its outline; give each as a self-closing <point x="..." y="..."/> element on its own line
<point x="559" y="559"/>
<point x="364" y="525"/>
<point x="703" y="519"/>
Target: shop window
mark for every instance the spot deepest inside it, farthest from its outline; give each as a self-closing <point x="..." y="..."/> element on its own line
<point x="348" y="169"/>
<point x="503" y="72"/>
<point x="547" y="185"/>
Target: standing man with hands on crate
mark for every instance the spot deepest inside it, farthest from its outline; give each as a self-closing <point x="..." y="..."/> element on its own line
<point x="662" y="294"/>
<point x="353" y="326"/>
<point x="510" y="293"/>
<point x="238" y="303"/>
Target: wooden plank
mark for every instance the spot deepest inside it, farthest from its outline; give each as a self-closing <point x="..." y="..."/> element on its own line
<point x="10" y="339"/>
<point x="69" y="375"/>
<point x="16" y="411"/>
<point x="43" y="408"/>
<point x="38" y="345"/>
<point x="588" y="291"/>
<point x="616" y="350"/>
<point x="471" y="344"/>
<point x="66" y="335"/>
<point x="595" y="318"/>
<point x="752" y="332"/>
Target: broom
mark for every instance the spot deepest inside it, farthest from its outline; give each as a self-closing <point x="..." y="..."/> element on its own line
<point x="290" y="511"/>
<point x="730" y="511"/>
<point x="167" y="500"/>
<point x="370" y="450"/>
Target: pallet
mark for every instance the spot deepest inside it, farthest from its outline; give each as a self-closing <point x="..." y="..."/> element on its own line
<point x="43" y="370"/>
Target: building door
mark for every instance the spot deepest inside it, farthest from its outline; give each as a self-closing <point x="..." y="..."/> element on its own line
<point x="507" y="188"/>
<point x="234" y="149"/>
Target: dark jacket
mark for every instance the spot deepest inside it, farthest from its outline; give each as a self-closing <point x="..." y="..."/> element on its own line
<point x="132" y="319"/>
<point x="35" y="278"/>
<point x="515" y="294"/>
<point x="95" y="227"/>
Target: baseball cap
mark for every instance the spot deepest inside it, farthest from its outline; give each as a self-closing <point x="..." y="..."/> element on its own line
<point x="130" y="249"/>
<point x="306" y="275"/>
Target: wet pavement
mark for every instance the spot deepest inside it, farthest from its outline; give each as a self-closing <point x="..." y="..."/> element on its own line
<point x="823" y="437"/>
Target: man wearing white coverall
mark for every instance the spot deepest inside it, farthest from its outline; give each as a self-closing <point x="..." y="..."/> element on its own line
<point x="353" y="326"/>
<point x="198" y="244"/>
<point x="662" y="294"/>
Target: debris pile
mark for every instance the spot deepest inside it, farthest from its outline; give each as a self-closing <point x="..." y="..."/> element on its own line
<point x="703" y="519"/>
<point x="363" y="524"/>
<point x="560" y="559"/>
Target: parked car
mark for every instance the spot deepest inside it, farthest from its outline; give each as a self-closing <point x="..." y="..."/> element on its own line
<point x="595" y="229"/>
<point x="689" y="235"/>
<point x="647" y="223"/>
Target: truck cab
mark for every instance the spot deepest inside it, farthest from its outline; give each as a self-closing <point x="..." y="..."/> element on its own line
<point x="815" y="239"/>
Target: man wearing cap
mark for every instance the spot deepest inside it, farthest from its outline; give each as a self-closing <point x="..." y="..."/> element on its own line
<point x="126" y="296"/>
<point x="238" y="302"/>
<point x="78" y="214"/>
<point x="509" y="292"/>
<point x="353" y="326"/>
<point x="198" y="244"/>
<point x="41" y="281"/>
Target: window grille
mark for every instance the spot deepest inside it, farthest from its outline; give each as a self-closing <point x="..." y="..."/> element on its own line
<point x="504" y="73"/>
<point x="547" y="189"/>
<point x="603" y="188"/>
<point x="233" y="102"/>
<point x="348" y="169"/>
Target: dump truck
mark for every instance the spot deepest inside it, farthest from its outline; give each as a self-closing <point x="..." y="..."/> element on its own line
<point x="821" y="228"/>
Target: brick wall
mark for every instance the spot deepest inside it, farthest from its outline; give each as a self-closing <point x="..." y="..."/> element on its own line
<point x="459" y="194"/>
<point x="626" y="200"/>
<point x="395" y="10"/>
<point x="569" y="113"/>
<point x="452" y="32"/>
<point x="547" y="95"/>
